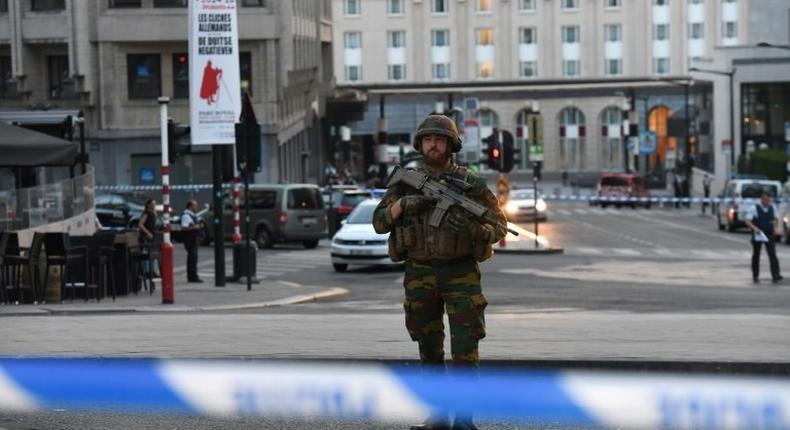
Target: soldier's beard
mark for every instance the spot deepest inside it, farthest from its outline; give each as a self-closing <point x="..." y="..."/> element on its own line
<point x="435" y="160"/>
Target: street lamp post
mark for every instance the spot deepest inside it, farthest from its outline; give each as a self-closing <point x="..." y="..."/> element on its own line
<point x="730" y="75"/>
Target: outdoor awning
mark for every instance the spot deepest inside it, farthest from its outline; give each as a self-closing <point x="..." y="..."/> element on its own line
<point x="20" y="147"/>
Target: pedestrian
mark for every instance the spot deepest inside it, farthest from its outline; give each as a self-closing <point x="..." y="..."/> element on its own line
<point x="677" y="180"/>
<point x="763" y="222"/>
<point x="192" y="228"/>
<point x="706" y="180"/>
<point x="146" y="228"/>
<point x="441" y="263"/>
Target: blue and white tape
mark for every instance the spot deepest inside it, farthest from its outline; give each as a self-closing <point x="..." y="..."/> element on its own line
<point x="383" y="393"/>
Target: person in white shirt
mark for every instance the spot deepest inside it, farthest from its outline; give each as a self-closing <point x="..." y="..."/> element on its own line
<point x="762" y="220"/>
<point x="191" y="225"/>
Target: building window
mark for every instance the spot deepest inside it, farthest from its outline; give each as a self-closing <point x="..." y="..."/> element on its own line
<point x="485" y="69"/>
<point x="661" y="66"/>
<point x="570" y="68"/>
<point x="697" y="30"/>
<point x="614" y="66"/>
<point x="570" y="34"/>
<point x="612" y="4"/>
<point x="487" y="118"/>
<point x="484" y="36"/>
<point x="572" y="139"/>
<point x="396" y="39"/>
<point x="396" y="72"/>
<point x="570" y="4"/>
<point x="253" y="3"/>
<point x="439" y="6"/>
<point x="527" y="36"/>
<point x="144" y="76"/>
<point x="613" y="33"/>
<point x="395" y="7"/>
<point x="352" y="40"/>
<point x="661" y="2"/>
<point x="170" y="3"/>
<point x="61" y="85"/>
<point x="180" y="76"/>
<point x="730" y="30"/>
<point x="47" y="5"/>
<point x="245" y="71"/>
<point x="353" y="73"/>
<point x="660" y="31"/>
<point x="440" y="71"/>
<point x="611" y="139"/>
<point x="528" y="69"/>
<point x="7" y="82"/>
<point x="483" y="6"/>
<point x="696" y="1"/>
<point x="121" y="4"/>
<point x="440" y="37"/>
<point x="526" y="5"/>
<point x="352" y="7"/>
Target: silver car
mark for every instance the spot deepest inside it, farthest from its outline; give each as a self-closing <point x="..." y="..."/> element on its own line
<point x="357" y="242"/>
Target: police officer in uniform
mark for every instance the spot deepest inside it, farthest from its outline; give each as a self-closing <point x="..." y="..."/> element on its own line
<point x="191" y="225"/>
<point x="441" y="263"/>
<point x="762" y="219"/>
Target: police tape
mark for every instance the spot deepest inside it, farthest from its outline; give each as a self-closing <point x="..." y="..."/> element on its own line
<point x="378" y="392"/>
<point x="548" y="197"/>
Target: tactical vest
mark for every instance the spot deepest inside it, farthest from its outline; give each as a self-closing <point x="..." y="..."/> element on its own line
<point x="413" y="238"/>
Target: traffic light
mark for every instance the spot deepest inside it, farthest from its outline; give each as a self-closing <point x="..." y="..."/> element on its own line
<point x="248" y="137"/>
<point x="176" y="135"/>
<point x="510" y="154"/>
<point x="492" y="151"/>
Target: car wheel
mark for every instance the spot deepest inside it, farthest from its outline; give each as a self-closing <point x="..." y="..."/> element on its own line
<point x="603" y="205"/>
<point x="617" y="205"/>
<point x="340" y="267"/>
<point x="648" y="205"/>
<point x="263" y="238"/>
<point x="718" y="221"/>
<point x="310" y="244"/>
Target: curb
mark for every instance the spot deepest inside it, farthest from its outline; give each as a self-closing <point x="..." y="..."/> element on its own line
<point x="293" y="300"/>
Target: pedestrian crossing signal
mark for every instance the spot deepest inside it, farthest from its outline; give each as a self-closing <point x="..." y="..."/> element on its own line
<point x="492" y="152"/>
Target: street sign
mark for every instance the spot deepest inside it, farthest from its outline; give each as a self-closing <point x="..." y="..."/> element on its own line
<point x="214" y="80"/>
<point x="536" y="152"/>
<point x="647" y="142"/>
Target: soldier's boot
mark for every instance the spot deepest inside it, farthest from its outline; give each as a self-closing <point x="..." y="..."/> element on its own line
<point x="464" y="423"/>
<point x="433" y="423"/>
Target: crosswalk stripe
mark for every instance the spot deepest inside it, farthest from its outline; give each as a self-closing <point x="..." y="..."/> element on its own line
<point x="594" y="251"/>
<point x="626" y="251"/>
<point x="564" y="212"/>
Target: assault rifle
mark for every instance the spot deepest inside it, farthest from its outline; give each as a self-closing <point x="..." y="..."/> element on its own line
<point x="448" y="190"/>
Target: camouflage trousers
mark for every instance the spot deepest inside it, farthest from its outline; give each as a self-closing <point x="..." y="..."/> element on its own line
<point x="432" y="287"/>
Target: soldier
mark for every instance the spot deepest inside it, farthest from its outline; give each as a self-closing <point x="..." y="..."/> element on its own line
<point x="441" y="263"/>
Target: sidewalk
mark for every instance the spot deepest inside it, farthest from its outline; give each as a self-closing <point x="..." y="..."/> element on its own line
<point x="188" y="298"/>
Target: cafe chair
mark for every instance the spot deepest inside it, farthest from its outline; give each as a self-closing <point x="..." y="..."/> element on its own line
<point x="15" y="265"/>
<point x="73" y="262"/>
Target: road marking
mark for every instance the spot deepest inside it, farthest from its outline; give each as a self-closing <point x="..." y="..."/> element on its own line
<point x="695" y="230"/>
<point x="581" y="211"/>
<point x="627" y="251"/>
<point x="268" y="273"/>
<point x="594" y="251"/>
<point x="290" y="284"/>
<point x="564" y="212"/>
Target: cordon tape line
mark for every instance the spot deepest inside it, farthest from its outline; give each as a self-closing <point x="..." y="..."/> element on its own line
<point x="390" y="393"/>
<point x="549" y="197"/>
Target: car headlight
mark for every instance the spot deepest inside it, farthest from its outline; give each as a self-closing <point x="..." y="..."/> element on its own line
<point x="511" y="207"/>
<point x="540" y="205"/>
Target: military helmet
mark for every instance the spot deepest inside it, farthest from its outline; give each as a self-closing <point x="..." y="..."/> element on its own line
<point x="438" y="124"/>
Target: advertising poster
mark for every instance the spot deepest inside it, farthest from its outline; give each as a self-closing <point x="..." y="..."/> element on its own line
<point x="214" y="81"/>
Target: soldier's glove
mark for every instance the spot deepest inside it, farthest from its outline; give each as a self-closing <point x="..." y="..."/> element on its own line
<point x="416" y="204"/>
<point x="460" y="224"/>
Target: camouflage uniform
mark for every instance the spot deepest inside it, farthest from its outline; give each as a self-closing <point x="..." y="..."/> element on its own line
<point x="439" y="276"/>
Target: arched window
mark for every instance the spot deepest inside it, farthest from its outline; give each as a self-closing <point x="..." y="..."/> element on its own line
<point x="572" y="133"/>
<point x="658" y="122"/>
<point x="522" y="139"/>
<point x="487" y="119"/>
<point x="612" y="139"/>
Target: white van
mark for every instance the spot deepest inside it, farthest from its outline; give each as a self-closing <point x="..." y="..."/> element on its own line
<point x="739" y="194"/>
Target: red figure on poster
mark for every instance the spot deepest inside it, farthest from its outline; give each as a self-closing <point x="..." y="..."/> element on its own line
<point x="209" y="86"/>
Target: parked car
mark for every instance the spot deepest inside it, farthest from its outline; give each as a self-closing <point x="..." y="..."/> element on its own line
<point x="357" y="242"/>
<point x="522" y="206"/>
<point x="281" y="213"/>
<point x="741" y="193"/>
<point x="343" y="201"/>
<point x="619" y="185"/>
<point x="121" y="210"/>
